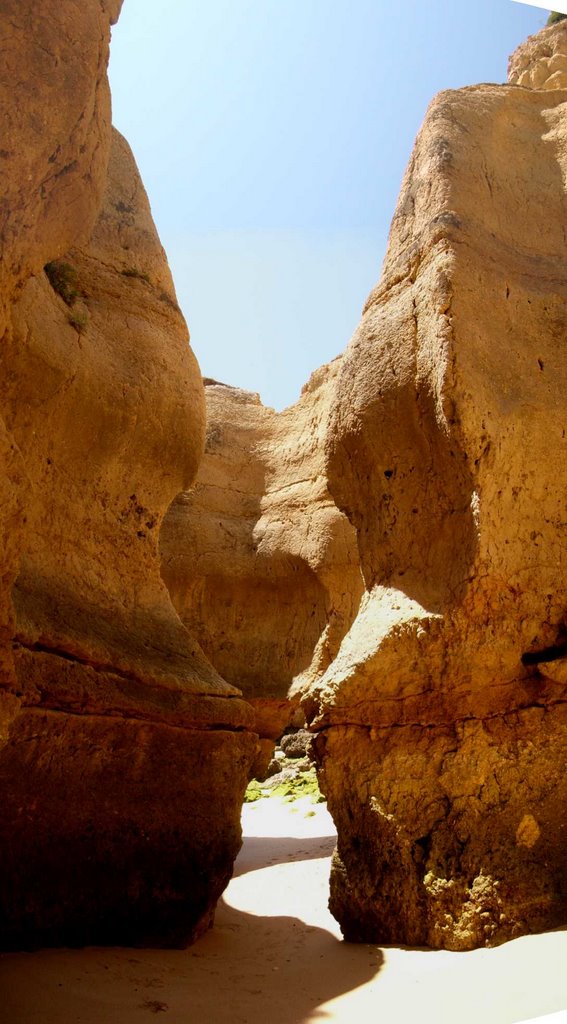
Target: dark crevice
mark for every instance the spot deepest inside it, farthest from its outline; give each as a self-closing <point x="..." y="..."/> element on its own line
<point x="553" y="653"/>
<point x="321" y="730"/>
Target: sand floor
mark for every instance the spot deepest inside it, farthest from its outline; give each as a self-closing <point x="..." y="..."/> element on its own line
<point x="275" y="956"/>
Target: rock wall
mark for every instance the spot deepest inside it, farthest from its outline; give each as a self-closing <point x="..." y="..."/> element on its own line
<point x="390" y="550"/>
<point x="259" y="562"/>
<point x="54" y="151"/>
<point x="431" y="651"/>
<point x="442" y="723"/>
<point x="124" y="754"/>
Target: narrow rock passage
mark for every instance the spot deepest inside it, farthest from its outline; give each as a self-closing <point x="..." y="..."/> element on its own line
<point x="275" y="955"/>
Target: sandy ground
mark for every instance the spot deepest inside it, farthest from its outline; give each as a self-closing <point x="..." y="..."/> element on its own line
<point x="275" y="956"/>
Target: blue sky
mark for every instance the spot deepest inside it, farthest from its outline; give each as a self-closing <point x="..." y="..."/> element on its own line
<point x="272" y="136"/>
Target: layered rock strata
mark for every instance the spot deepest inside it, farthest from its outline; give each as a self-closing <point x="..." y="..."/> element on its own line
<point x="442" y="722"/>
<point x="124" y="755"/>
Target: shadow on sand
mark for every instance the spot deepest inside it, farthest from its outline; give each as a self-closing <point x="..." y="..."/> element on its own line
<point x="247" y="970"/>
<point x="259" y="852"/>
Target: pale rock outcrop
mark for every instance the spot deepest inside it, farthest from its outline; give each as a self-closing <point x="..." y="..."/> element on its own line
<point x="442" y="722"/>
<point x="541" y="62"/>
<point x="124" y="755"/>
<point x="259" y="562"/>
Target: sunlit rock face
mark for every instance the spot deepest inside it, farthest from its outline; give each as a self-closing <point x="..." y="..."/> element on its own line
<point x="442" y="722"/>
<point x="541" y="62"/>
<point x="392" y="547"/>
<point x="124" y="755"/>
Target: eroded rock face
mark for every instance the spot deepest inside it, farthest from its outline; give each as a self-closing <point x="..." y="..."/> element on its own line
<point x="442" y="722"/>
<point x="391" y="548"/>
<point x="439" y="702"/>
<point x="54" y="152"/>
<point x="124" y="754"/>
<point x="541" y="62"/>
<point x="259" y="562"/>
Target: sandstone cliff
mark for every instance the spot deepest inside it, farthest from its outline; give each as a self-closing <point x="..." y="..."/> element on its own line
<point x="124" y="754"/>
<point x="442" y="721"/>
<point x="393" y="546"/>
<point x="390" y="550"/>
<point x="260" y="564"/>
<point x="55" y="145"/>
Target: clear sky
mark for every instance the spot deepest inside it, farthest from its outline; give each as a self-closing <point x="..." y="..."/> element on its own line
<point x="272" y="136"/>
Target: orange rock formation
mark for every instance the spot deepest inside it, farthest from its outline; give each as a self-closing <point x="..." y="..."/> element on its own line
<point x="436" y="686"/>
<point x="390" y="550"/>
<point x="442" y="725"/>
<point x="114" y="724"/>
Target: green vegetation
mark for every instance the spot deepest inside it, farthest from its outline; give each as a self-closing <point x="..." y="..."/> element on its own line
<point x="64" y="280"/>
<point x="254" y="792"/>
<point x="303" y="784"/>
<point x="555" y="16"/>
<point x="79" y="320"/>
<point x="132" y="272"/>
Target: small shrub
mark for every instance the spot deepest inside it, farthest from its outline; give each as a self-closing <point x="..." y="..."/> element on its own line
<point x="555" y="16"/>
<point x="63" y="279"/>
<point x="79" y="320"/>
<point x="132" y="272"/>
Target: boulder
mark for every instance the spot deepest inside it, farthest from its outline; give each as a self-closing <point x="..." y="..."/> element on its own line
<point x="296" y="744"/>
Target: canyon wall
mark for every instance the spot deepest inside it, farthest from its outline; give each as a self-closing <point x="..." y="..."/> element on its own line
<point x="123" y="755"/>
<point x="260" y="564"/>
<point x="392" y="547"/>
<point x="442" y="723"/>
<point x="385" y="558"/>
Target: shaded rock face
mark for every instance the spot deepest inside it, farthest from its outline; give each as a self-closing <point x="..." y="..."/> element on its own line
<point x="442" y="720"/>
<point x="260" y="564"/>
<point x="123" y="754"/>
<point x="54" y="152"/>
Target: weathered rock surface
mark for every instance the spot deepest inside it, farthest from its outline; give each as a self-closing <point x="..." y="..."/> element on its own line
<point x="438" y="696"/>
<point x="541" y="62"/>
<point x="260" y="564"/>
<point x="296" y="743"/>
<point x="124" y="756"/>
<point x="390" y="550"/>
<point x="54" y="152"/>
<point x="442" y="722"/>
